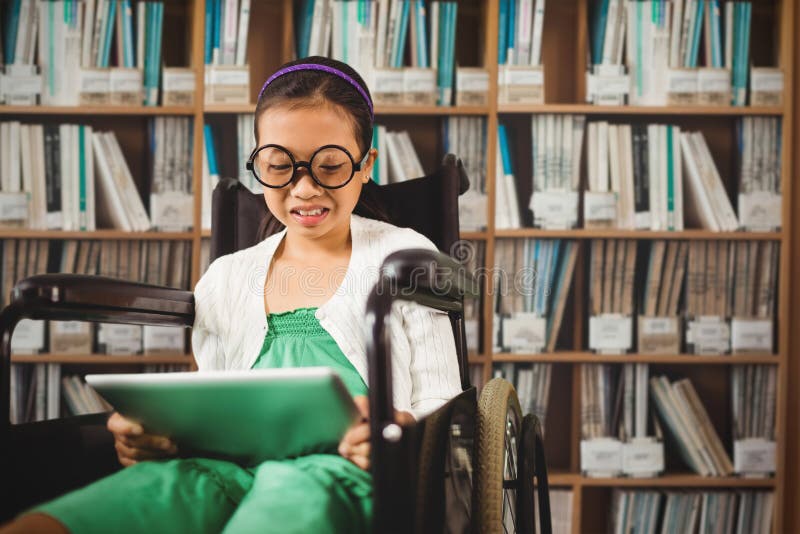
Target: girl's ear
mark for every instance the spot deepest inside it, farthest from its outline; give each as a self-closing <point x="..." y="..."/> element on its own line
<point x="366" y="170"/>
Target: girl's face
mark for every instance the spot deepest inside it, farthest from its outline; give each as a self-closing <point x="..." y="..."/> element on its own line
<point x="304" y="206"/>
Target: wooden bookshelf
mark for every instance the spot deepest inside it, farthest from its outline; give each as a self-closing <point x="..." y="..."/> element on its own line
<point x="565" y="40"/>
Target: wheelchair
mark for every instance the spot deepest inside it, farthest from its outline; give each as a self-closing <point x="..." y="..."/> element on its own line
<point x="474" y="465"/>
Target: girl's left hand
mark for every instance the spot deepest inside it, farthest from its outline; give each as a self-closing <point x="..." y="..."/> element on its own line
<point x="355" y="444"/>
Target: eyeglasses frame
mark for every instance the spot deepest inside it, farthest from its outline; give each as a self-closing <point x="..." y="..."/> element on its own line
<point x="355" y="167"/>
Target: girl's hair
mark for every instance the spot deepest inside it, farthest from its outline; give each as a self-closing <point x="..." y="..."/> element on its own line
<point x="311" y="88"/>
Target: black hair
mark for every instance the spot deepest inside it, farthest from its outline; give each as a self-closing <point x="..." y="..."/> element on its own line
<point x="306" y="88"/>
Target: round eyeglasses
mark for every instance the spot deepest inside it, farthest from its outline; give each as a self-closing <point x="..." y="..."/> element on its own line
<point x="331" y="166"/>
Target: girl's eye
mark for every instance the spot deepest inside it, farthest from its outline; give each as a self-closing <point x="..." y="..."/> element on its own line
<point x="332" y="168"/>
<point x="280" y="167"/>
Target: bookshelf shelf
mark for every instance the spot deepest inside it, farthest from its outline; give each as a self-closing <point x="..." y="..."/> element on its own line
<point x="97" y="234"/>
<point x="104" y="359"/>
<point x="379" y="110"/>
<point x="587" y="109"/>
<point x="582" y="233"/>
<point x="474" y="236"/>
<point x="679" y="359"/>
<point x="97" y="110"/>
<point x="679" y="480"/>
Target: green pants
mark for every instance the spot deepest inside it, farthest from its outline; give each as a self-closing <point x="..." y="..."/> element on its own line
<point x="317" y="493"/>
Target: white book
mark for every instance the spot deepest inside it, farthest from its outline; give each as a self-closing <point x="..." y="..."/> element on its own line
<point x="729" y="35"/>
<point x="675" y="34"/>
<point x="719" y="196"/>
<point x="108" y="192"/>
<point x="53" y="390"/>
<point x="39" y="192"/>
<point x="626" y="140"/>
<point x="88" y="151"/>
<point x="317" y="28"/>
<point x="677" y="186"/>
<point x="524" y="30"/>
<point x="697" y="196"/>
<point x="23" y="29"/>
<point x="411" y="153"/>
<point x="641" y="400"/>
<point x="381" y="41"/>
<point x="501" y="211"/>
<point x="565" y="172"/>
<point x="339" y="29"/>
<point x="612" y="151"/>
<point x="578" y="126"/>
<point x="383" y="167"/>
<point x="536" y="42"/>
<point x="393" y="150"/>
<point x="592" y="167"/>
<point x="141" y="16"/>
<point x="602" y="160"/>
<point x="230" y="31"/>
<point x="139" y="217"/>
<point x="610" y="38"/>
<point x="88" y="28"/>
<point x="244" y="27"/>
<point x="27" y="171"/>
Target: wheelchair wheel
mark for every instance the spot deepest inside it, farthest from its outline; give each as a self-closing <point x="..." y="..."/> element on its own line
<point x="498" y="474"/>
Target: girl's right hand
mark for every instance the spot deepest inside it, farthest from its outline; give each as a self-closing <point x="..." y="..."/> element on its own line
<point x="133" y="445"/>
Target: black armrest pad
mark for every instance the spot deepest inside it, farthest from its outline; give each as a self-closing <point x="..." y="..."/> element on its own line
<point x="98" y="298"/>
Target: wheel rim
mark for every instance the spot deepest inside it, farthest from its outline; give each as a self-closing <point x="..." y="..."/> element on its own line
<point x="510" y="479"/>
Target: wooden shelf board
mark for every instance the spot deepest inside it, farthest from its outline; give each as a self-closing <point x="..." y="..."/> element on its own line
<point x="477" y="359"/>
<point x="103" y="359"/>
<point x="379" y="110"/>
<point x="590" y="357"/>
<point x="205" y="233"/>
<point x="680" y="480"/>
<point x="97" y="110"/>
<point x="11" y="233"/>
<point x="589" y="109"/>
<point x="583" y="233"/>
<point x="475" y="236"/>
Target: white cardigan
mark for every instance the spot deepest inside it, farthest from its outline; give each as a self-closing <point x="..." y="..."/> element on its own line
<point x="230" y="322"/>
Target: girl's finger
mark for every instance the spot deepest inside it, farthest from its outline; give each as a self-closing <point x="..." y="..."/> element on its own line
<point x="362" y="450"/>
<point x="360" y="461"/>
<point x="362" y="402"/>
<point x="151" y="442"/>
<point x="357" y="434"/>
<point x="137" y="454"/>
<point x="118" y="424"/>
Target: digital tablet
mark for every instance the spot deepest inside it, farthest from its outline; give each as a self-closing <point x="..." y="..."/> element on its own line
<point x="242" y="416"/>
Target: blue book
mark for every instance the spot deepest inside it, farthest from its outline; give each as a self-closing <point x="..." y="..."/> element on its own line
<point x="209" y="30"/>
<point x="695" y="49"/>
<point x="12" y="26"/>
<point x="82" y="214"/>
<point x="716" y="34"/>
<point x="157" y="51"/>
<point x="106" y="53"/>
<point x="745" y="60"/>
<point x="130" y="59"/>
<point x="422" y="35"/>
<point x="302" y="30"/>
<point x="502" y="51"/>
<point x="598" y="22"/>
<point x="397" y="60"/>
<point x="210" y="151"/>
<point x="504" y="149"/>
<point x="511" y="33"/>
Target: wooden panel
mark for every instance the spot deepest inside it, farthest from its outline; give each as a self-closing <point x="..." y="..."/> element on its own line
<point x="559" y="48"/>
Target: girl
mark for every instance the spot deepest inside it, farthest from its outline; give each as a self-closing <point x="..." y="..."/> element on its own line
<point x="297" y="298"/>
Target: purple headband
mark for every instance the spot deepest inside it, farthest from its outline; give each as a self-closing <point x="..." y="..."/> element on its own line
<point x="323" y="68"/>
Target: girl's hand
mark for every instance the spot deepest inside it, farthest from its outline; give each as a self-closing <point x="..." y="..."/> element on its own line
<point x="133" y="445"/>
<point x="355" y="444"/>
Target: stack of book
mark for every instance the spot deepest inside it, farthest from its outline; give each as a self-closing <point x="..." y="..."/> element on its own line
<point x="614" y="401"/>
<point x="753" y="394"/>
<point x="532" y="384"/>
<point x="681" y="409"/>
<point x="727" y="512"/>
<point x="611" y="278"/>
<point x="227" y="25"/>
<point x="520" y="32"/>
<point x="532" y="280"/>
<point x="560" y="511"/>
<point x="397" y="158"/>
<point x="380" y="34"/>
<point x="666" y="267"/>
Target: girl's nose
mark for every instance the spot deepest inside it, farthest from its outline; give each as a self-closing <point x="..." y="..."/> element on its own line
<point x="304" y="185"/>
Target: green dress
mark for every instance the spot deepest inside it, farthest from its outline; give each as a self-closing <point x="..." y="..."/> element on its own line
<point x="316" y="493"/>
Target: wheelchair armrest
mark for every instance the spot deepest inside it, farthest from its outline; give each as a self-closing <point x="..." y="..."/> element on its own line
<point x="65" y="297"/>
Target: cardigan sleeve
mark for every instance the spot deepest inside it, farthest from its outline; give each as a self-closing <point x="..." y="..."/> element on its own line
<point x="206" y="338"/>
<point x="433" y="362"/>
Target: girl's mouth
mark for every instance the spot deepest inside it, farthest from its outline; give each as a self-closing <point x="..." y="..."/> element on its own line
<point x="309" y="217"/>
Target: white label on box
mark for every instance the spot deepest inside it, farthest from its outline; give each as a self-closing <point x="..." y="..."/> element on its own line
<point x="656" y="326"/>
<point x="419" y="80"/>
<point x="612" y="85"/>
<point x="13" y="206"/>
<point x="388" y="80"/>
<point x="524" y="332"/>
<point x="228" y="75"/>
<point x="610" y="333"/>
<point x="524" y="75"/>
<point x="178" y="80"/>
<point x="163" y="338"/>
<point x="171" y="210"/>
<point x="709" y="335"/>
<point x="126" y="80"/>
<point x="95" y="81"/>
<point x="554" y="209"/>
<point x="120" y="338"/>
<point x="472" y="80"/>
<point x="682" y="81"/>
<point x="714" y="81"/>
<point x="599" y="206"/>
<point x="642" y="457"/>
<point x="760" y="210"/>
<point x="23" y="85"/>
<point x="69" y="327"/>
<point x="601" y="457"/>
<point x="28" y="337"/>
<point x="754" y="455"/>
<point x="751" y="334"/>
<point x="472" y="209"/>
<point x="472" y="331"/>
<point x="766" y="80"/>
